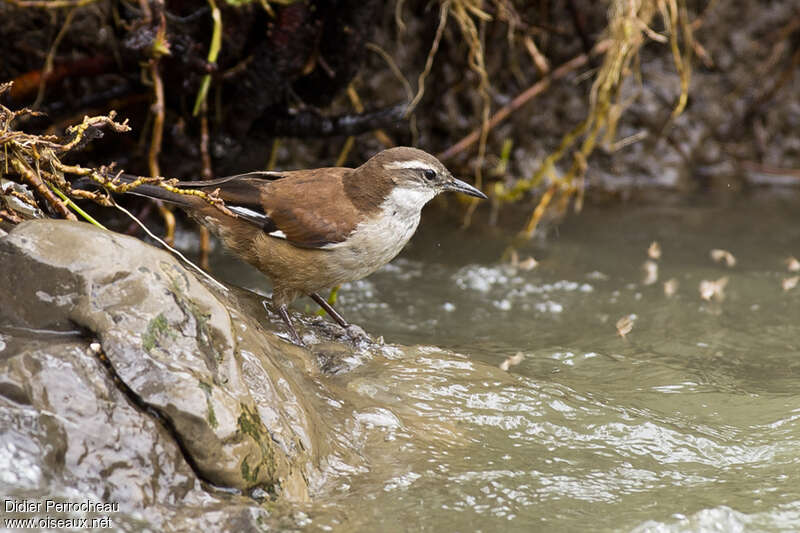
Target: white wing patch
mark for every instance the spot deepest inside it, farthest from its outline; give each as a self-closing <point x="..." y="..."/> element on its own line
<point x="278" y="233"/>
<point x="245" y="211"/>
<point x="332" y="245"/>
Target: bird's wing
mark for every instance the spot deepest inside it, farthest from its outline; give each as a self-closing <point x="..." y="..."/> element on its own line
<point x="310" y="209"/>
<point x="241" y="194"/>
<point x="295" y="205"/>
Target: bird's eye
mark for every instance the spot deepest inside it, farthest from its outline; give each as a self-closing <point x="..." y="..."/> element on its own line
<point x="430" y="175"/>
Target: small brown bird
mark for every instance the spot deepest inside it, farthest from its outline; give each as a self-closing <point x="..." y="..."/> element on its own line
<point x="310" y="230"/>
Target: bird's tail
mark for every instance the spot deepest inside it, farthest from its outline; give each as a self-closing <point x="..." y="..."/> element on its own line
<point x="148" y="190"/>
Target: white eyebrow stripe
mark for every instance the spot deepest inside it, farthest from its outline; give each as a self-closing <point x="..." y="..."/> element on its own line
<point x="415" y="163"/>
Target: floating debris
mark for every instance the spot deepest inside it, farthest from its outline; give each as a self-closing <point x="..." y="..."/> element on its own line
<point x="670" y="287"/>
<point x="723" y="256"/>
<point x="792" y="264"/>
<point x="526" y="264"/>
<point x="713" y="290"/>
<point x="503" y="305"/>
<point x="597" y="275"/>
<point x="654" y="251"/>
<point x="625" y="325"/>
<point x="650" y="268"/>
<point x="514" y="360"/>
<point x="790" y="283"/>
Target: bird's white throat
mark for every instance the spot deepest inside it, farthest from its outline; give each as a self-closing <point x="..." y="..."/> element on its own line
<point x="407" y="201"/>
<point x="380" y="237"/>
<point x="397" y="218"/>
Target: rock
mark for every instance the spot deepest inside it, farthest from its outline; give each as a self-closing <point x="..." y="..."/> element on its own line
<point x="227" y="397"/>
<point x="68" y="433"/>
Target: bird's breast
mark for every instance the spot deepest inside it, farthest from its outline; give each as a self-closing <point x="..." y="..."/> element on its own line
<point x="376" y="241"/>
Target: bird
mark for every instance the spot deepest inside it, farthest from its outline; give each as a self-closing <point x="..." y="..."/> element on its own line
<point x="313" y="229"/>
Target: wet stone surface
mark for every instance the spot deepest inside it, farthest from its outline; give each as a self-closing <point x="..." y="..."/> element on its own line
<point x="124" y="377"/>
<point x="67" y="432"/>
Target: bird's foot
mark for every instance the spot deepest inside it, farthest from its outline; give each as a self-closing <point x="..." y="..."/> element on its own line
<point x="356" y="333"/>
<point x="297" y="339"/>
<point x="284" y="313"/>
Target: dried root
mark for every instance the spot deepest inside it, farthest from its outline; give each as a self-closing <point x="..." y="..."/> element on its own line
<point x="629" y="29"/>
<point x="35" y="161"/>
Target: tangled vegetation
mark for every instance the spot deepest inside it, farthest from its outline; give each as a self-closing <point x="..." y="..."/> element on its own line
<point x="37" y="162"/>
<point x="205" y="101"/>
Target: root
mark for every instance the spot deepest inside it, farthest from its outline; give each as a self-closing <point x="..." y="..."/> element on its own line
<point x="35" y="160"/>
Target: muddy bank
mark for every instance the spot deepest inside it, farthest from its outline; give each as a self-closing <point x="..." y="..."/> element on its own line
<point x="286" y="77"/>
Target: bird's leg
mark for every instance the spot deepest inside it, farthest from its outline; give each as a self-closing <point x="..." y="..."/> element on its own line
<point x="353" y="331"/>
<point x="334" y="314"/>
<point x="283" y="311"/>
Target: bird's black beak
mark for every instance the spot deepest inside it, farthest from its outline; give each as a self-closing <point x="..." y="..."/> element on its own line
<point x="457" y="185"/>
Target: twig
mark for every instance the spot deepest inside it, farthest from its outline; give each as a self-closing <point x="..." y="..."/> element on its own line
<point x="24" y="198"/>
<point x="541" y="62"/>
<point x="213" y="52"/>
<point x="36" y="182"/>
<point x="523" y="98"/>
<point x="398" y="16"/>
<point x="678" y="18"/>
<point x="77" y="132"/>
<point x="77" y="208"/>
<point x="113" y="185"/>
<point x="207" y="171"/>
<point x="160" y="47"/>
<point x="381" y="135"/>
<point x="429" y="61"/>
<point x="35" y="159"/>
<point x="10" y="216"/>
<point x="26" y="153"/>
<point x="768" y="169"/>
<point x="273" y="154"/>
<point x="530" y="227"/>
<point x="390" y="62"/>
<point x="699" y="19"/>
<point x="463" y="13"/>
<point x="158" y="120"/>
<point x="48" y="62"/>
<point x="348" y="145"/>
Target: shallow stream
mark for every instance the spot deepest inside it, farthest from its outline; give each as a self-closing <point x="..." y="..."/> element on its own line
<point x="689" y="422"/>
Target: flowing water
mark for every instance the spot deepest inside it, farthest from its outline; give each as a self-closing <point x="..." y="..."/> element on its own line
<point x="689" y="422"/>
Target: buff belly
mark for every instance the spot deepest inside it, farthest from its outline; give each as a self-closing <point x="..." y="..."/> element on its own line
<point x="295" y="270"/>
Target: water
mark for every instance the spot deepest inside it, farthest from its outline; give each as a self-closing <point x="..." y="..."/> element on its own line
<point x="688" y="423"/>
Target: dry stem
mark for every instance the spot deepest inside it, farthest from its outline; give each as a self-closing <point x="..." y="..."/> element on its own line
<point x="35" y="159"/>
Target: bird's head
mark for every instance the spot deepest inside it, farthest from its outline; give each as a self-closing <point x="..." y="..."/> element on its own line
<point x="416" y="175"/>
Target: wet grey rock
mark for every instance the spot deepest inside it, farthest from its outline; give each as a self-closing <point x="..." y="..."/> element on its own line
<point x="68" y="433"/>
<point x="124" y="377"/>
